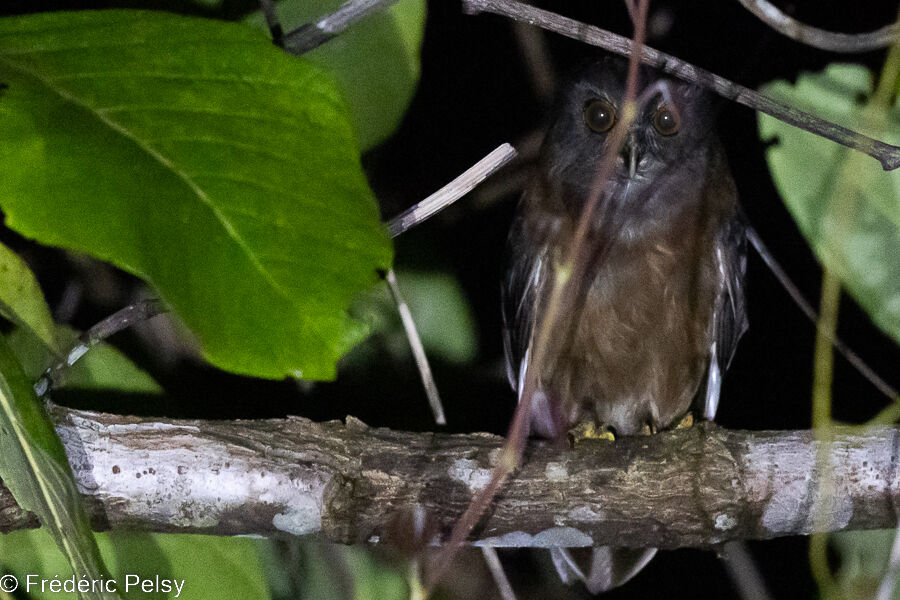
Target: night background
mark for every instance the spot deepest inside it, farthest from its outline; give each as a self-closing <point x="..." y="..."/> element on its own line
<point x="476" y="92"/>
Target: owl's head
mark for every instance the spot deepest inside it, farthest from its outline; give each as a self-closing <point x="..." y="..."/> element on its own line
<point x="673" y="127"/>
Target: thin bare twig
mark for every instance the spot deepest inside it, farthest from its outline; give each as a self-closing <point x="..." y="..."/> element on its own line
<point x="122" y="319"/>
<point x="426" y="209"/>
<point x="497" y="572"/>
<point x="312" y="35"/>
<point x="453" y="191"/>
<point x="415" y="343"/>
<point x="823" y="39"/>
<point x="743" y="571"/>
<point x="806" y="308"/>
<point x="887" y="154"/>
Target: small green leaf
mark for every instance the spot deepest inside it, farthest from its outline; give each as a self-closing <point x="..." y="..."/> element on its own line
<point x="196" y="155"/>
<point x="101" y="368"/>
<point x="858" y="236"/>
<point x="21" y="299"/>
<point x="375" y="62"/>
<point x="33" y="466"/>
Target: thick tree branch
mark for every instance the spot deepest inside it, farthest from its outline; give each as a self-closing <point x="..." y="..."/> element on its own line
<point x="887" y="154"/>
<point x="350" y="483"/>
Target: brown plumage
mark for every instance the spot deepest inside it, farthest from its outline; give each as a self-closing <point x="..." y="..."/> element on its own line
<point x="654" y="309"/>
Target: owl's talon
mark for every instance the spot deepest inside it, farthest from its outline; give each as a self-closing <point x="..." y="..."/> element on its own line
<point x="686" y="421"/>
<point x="591" y="431"/>
<point x="649" y="429"/>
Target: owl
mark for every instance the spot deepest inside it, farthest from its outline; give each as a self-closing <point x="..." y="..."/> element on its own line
<point x="654" y="309"/>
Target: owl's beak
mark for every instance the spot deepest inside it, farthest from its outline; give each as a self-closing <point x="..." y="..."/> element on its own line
<point x="630" y="154"/>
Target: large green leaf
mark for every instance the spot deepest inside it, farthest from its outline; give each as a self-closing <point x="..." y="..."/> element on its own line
<point x="856" y="236"/>
<point x="204" y="566"/>
<point x="33" y="466"/>
<point x="375" y="62"/>
<point x="21" y="299"/>
<point x="196" y="155"/>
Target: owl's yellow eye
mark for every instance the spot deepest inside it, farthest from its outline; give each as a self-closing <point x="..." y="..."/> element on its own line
<point x="665" y="121"/>
<point x="599" y="115"/>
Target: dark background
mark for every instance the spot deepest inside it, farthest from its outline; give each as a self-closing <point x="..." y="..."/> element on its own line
<point x="475" y="93"/>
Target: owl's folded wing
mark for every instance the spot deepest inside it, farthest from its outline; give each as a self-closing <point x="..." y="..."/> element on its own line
<point x="730" y="316"/>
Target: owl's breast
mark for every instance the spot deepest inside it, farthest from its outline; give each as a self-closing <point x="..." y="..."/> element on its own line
<point x="639" y="349"/>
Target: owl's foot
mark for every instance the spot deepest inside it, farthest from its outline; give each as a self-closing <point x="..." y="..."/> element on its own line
<point x="652" y="429"/>
<point x="648" y="429"/>
<point x="591" y="431"/>
<point x="686" y="421"/>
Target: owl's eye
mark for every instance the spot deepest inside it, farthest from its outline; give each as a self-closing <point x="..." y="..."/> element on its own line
<point x="666" y="121"/>
<point x="599" y="115"/>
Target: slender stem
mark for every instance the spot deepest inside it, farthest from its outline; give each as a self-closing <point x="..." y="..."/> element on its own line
<point x="824" y="358"/>
<point x="312" y="35"/>
<point x="806" y="308"/>
<point x="822" y="425"/>
<point x="536" y="56"/>
<point x="832" y="41"/>
<point x="497" y="572"/>
<point x="415" y="343"/>
<point x="743" y="571"/>
<point x="887" y="154"/>
<point x="453" y="191"/>
<point x="122" y="319"/>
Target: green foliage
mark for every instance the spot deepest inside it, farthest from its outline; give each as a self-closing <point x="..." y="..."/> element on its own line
<point x="195" y="155"/>
<point x="863" y="557"/>
<point x="439" y="309"/>
<point x="33" y="466"/>
<point x="375" y="62"/>
<point x="211" y="567"/>
<point x="857" y="236"/>
<point x="21" y="299"/>
<point x="324" y="571"/>
<point x="199" y="157"/>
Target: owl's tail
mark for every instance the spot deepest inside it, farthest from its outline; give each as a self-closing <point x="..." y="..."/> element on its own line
<point x="609" y="567"/>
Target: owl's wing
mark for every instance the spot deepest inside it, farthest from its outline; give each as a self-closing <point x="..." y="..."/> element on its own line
<point x="525" y="276"/>
<point x="729" y="316"/>
<point x="529" y="268"/>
